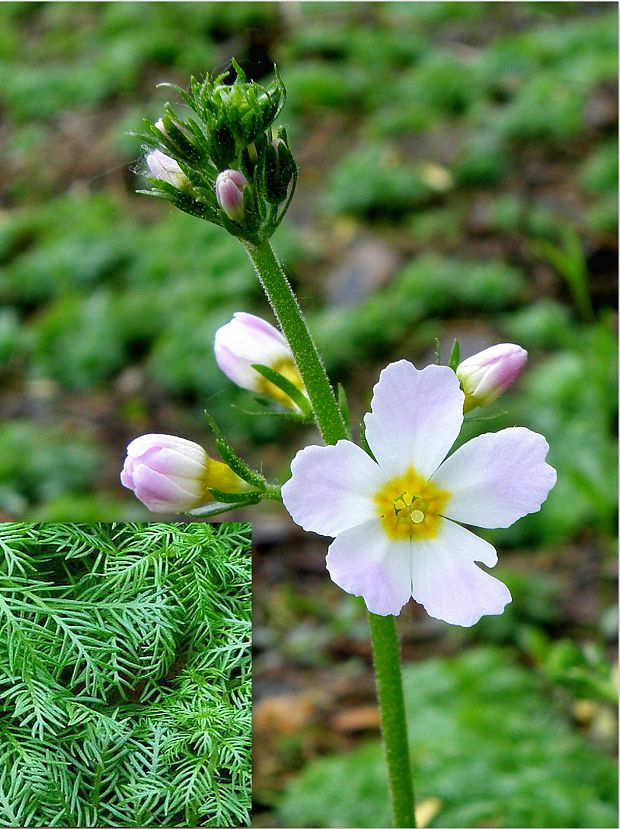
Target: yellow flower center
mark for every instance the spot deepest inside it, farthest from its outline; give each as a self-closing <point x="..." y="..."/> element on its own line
<point x="410" y="506"/>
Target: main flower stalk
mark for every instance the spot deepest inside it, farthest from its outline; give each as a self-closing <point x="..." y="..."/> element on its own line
<point x="328" y="416"/>
<point x="333" y="428"/>
<point x="386" y="658"/>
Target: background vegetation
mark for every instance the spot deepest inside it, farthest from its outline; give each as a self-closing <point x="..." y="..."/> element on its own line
<point x="125" y="674"/>
<point x="458" y="178"/>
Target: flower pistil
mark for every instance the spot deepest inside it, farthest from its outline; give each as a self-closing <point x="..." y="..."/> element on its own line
<point x="410" y="506"/>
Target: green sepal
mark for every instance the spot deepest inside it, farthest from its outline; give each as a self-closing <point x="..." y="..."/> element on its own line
<point x="251" y="214"/>
<point x="232" y="460"/>
<point x="492" y="416"/>
<point x="238" y="498"/>
<point x="178" y="138"/>
<point x="343" y="405"/>
<point x="266" y="402"/>
<point x="364" y="442"/>
<point x="455" y="356"/>
<point x="223" y="148"/>
<point x="286" y="386"/>
<point x="280" y="169"/>
<point x="209" y="510"/>
<point x="179" y="89"/>
<point x="184" y="201"/>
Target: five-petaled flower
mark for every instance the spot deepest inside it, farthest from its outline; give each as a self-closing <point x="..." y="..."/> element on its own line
<point x="395" y="517"/>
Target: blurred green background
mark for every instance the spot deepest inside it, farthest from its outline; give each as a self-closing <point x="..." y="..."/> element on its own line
<point x="458" y="179"/>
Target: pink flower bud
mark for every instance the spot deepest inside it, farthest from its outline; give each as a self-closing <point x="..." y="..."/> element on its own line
<point x="229" y="192"/>
<point x="486" y="375"/>
<point x="171" y="474"/>
<point x="166" y="169"/>
<point x="248" y="340"/>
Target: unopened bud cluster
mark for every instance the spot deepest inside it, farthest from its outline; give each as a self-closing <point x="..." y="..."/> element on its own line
<point x="225" y="162"/>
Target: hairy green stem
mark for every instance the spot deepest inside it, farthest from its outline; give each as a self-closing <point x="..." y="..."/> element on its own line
<point x="288" y="313"/>
<point x="332" y="425"/>
<point x="393" y="723"/>
<point x="272" y="491"/>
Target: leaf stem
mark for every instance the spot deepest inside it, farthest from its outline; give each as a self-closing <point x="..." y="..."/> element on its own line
<point x="331" y="422"/>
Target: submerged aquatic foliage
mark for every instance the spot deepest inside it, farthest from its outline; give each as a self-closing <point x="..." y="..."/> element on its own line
<point x="125" y="674"/>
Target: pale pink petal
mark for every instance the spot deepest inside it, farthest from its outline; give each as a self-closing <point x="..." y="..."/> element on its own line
<point x="162" y="494"/>
<point x="485" y="375"/>
<point x="239" y="370"/>
<point x="332" y="488"/>
<point x="143" y="443"/>
<point x="127" y="473"/>
<point x="416" y="417"/>
<point x="448" y="583"/>
<point x="260" y="327"/>
<point x="172" y="462"/>
<point x="245" y="341"/>
<point x="497" y="478"/>
<point x="365" y="562"/>
<point x="163" y="167"/>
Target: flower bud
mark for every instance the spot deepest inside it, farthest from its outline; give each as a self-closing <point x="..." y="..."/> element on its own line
<point x="229" y="192"/>
<point x="166" y="169"/>
<point x="486" y="375"/>
<point x="171" y="474"/>
<point x="248" y="340"/>
<point x="279" y="171"/>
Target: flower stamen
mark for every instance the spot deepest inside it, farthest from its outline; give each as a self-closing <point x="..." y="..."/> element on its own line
<point x="409" y="506"/>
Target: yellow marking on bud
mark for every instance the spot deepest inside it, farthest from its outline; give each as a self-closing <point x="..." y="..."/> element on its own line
<point x="220" y="476"/>
<point x="410" y="506"/>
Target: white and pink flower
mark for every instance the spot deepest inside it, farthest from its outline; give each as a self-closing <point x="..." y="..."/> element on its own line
<point x="164" y="168"/>
<point x="395" y="518"/>
<point x="248" y="340"/>
<point x="172" y="474"/>
<point x="229" y="187"/>
<point x="487" y="374"/>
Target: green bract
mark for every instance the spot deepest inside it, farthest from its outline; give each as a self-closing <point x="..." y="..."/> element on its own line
<point x="231" y="127"/>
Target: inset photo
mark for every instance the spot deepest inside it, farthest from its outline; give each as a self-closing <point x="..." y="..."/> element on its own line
<point x="125" y="674"/>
